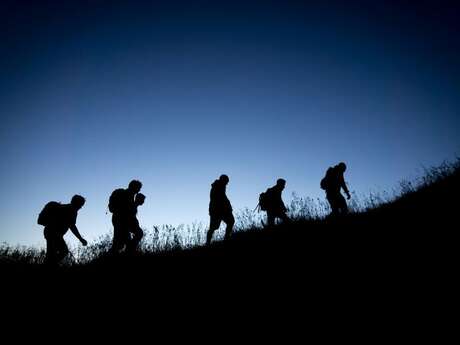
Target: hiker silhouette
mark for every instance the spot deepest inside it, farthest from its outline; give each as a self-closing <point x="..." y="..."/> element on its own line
<point x="332" y="183"/>
<point x="220" y="208"/>
<point x="272" y="202"/>
<point x="123" y="205"/>
<point x="134" y="229"/>
<point x="57" y="219"/>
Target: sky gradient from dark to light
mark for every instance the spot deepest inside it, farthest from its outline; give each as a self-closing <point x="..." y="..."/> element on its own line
<point x="96" y="93"/>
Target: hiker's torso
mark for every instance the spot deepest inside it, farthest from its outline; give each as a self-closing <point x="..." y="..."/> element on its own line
<point x="218" y="198"/>
<point x="335" y="181"/>
<point x="65" y="218"/>
<point x="127" y="207"/>
<point x="275" y="201"/>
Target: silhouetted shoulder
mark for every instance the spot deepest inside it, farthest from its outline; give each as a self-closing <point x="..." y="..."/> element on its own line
<point x="68" y="215"/>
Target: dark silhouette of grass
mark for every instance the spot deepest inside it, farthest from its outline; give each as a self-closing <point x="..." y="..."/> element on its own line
<point x="404" y="243"/>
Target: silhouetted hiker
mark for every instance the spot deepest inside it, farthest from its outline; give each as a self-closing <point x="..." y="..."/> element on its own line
<point x="123" y="208"/>
<point x="134" y="230"/>
<point x="58" y="219"/>
<point x="220" y="208"/>
<point x="332" y="183"/>
<point x="271" y="202"/>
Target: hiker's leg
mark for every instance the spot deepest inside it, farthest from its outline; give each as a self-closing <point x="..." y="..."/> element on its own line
<point x="342" y="204"/>
<point x="117" y="242"/>
<point x="270" y="218"/>
<point x="62" y="249"/>
<point x="119" y="236"/>
<point x="283" y="216"/>
<point x="214" y="224"/>
<point x="230" y="221"/>
<point x="332" y="199"/>
<point x="51" y="249"/>
<point x="137" y="235"/>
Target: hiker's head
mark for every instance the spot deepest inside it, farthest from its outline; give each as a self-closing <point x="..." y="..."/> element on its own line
<point x="139" y="199"/>
<point x="224" y="179"/>
<point x="342" y="167"/>
<point x="77" y="201"/>
<point x="135" y="186"/>
<point x="281" y="183"/>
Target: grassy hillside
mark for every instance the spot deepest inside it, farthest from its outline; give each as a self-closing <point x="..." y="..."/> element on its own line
<point x="385" y="269"/>
<point x="416" y="227"/>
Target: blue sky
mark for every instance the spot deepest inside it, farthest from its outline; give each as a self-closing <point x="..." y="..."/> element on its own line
<point x="94" y="94"/>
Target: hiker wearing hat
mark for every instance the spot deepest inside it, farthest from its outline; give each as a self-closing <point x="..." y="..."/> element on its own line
<point x="220" y="208"/>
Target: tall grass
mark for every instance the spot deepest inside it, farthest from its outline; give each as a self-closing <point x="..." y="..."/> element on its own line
<point x="167" y="237"/>
<point x="21" y="254"/>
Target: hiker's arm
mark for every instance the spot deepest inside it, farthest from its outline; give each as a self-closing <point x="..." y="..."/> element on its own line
<point x="344" y="187"/>
<point x="283" y="206"/>
<point x="75" y="231"/>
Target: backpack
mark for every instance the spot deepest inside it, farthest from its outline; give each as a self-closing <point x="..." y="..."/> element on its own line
<point x="116" y="200"/>
<point x="49" y="214"/>
<point x="326" y="180"/>
<point x="265" y="200"/>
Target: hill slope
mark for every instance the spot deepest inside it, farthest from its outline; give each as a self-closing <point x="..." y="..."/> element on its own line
<point x="408" y="242"/>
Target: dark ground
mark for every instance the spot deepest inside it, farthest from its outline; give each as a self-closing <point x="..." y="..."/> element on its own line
<point x="398" y="260"/>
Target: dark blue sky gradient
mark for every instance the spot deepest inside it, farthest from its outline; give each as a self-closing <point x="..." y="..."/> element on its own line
<point x="95" y="93"/>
